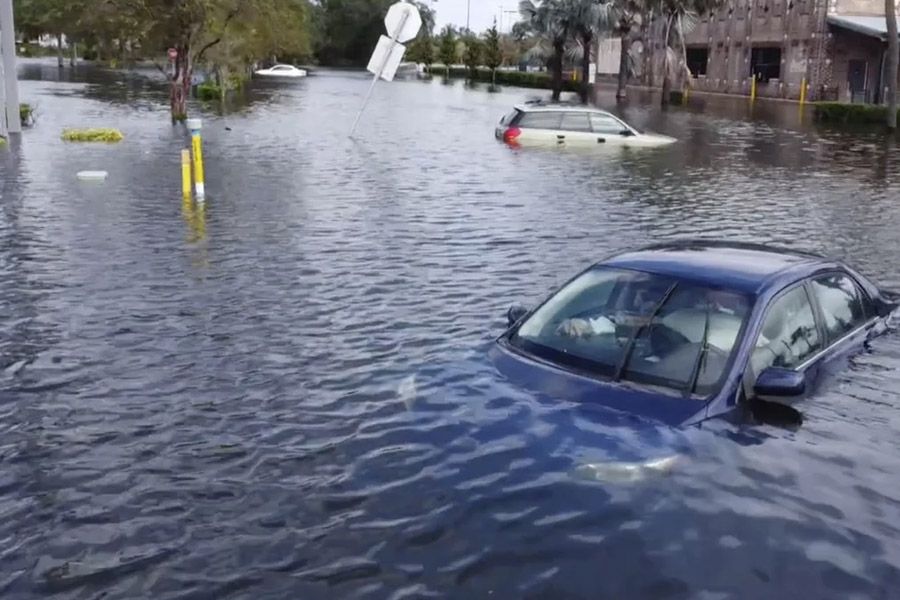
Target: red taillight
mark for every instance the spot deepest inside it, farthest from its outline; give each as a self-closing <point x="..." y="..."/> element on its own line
<point x="511" y="134"/>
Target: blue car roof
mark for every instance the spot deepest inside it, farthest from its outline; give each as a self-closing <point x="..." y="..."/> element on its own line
<point x="747" y="268"/>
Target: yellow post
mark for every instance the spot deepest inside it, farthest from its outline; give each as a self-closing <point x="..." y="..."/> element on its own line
<point x="186" y="174"/>
<point x="197" y="145"/>
<point x="803" y="91"/>
<point x="753" y="87"/>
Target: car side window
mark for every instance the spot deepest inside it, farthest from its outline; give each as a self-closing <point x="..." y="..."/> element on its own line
<point x="575" y="121"/>
<point x="789" y="335"/>
<point x="841" y="302"/>
<point x="541" y="120"/>
<point x="606" y="124"/>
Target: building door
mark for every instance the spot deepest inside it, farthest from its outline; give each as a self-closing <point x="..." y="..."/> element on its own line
<point x="856" y="78"/>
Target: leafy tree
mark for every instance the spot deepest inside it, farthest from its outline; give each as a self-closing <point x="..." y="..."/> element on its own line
<point x="493" y="53"/>
<point x="447" y="52"/>
<point x="422" y="51"/>
<point x="472" y="55"/>
<point x="680" y="16"/>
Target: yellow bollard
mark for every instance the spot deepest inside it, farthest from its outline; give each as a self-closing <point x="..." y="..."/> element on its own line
<point x="197" y="144"/>
<point x="753" y="88"/>
<point x="803" y="91"/>
<point x="186" y="174"/>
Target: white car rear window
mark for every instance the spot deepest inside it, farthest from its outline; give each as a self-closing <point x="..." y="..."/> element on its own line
<point x="508" y="118"/>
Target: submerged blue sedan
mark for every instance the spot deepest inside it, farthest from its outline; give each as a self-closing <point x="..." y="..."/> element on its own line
<point x="688" y="331"/>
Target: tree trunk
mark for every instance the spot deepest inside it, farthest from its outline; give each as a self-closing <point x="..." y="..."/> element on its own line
<point x="667" y="71"/>
<point x="649" y="48"/>
<point x="557" y="66"/>
<point x="60" y="61"/>
<point x="181" y="83"/>
<point x="890" y="70"/>
<point x="73" y="57"/>
<point x="587" y="40"/>
<point x="683" y="68"/>
<point x="624" y="37"/>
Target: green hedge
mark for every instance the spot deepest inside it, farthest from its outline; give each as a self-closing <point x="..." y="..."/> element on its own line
<point x="539" y="80"/>
<point x="209" y="91"/>
<point x="840" y="112"/>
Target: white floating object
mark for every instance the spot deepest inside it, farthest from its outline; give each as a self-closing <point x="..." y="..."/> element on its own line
<point x="92" y="175"/>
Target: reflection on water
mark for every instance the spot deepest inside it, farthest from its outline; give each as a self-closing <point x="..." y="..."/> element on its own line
<point x="284" y="392"/>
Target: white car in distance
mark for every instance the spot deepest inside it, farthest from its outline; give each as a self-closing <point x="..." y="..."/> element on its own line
<point x="281" y="71"/>
<point x="569" y="125"/>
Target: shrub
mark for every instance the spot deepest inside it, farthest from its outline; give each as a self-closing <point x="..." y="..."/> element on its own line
<point x="840" y="112"/>
<point x="209" y="91"/>
<point x="92" y="135"/>
<point x="26" y="114"/>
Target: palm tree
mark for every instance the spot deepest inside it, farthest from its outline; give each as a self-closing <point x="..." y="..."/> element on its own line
<point x="890" y="70"/>
<point x="680" y="17"/>
<point x="626" y="14"/>
<point x="550" y="20"/>
<point x="589" y="18"/>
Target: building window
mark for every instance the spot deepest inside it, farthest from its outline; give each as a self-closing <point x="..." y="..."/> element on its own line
<point x="765" y="63"/>
<point x="697" y="59"/>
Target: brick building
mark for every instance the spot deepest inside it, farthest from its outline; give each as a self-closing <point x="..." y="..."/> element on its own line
<point x="836" y="46"/>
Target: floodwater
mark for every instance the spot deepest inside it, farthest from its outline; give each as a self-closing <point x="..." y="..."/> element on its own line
<point x="285" y="393"/>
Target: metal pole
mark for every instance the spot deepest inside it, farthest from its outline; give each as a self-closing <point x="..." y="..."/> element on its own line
<point x="394" y="35"/>
<point x="468" y="14"/>
<point x="8" y="50"/>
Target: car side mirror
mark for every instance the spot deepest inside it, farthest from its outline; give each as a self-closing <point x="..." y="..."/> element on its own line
<point x="780" y="383"/>
<point x="515" y="314"/>
<point x="626" y="133"/>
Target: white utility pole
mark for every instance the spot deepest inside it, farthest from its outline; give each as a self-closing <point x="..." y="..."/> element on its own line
<point x="8" y="51"/>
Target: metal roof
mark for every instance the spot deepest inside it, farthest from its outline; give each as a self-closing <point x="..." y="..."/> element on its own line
<point x="866" y="25"/>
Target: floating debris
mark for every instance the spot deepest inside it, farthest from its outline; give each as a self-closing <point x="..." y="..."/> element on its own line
<point x="92" y="135"/>
<point x="92" y="175"/>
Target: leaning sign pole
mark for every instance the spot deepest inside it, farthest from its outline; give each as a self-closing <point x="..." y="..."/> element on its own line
<point x="10" y="84"/>
<point x="402" y="22"/>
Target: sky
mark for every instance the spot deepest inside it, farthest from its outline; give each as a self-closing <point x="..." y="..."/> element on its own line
<point x="482" y="15"/>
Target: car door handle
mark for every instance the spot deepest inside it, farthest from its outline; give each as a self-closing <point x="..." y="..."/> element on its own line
<point x="601" y="140"/>
<point x="560" y="138"/>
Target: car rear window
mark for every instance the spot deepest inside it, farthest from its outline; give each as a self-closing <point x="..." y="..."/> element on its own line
<point x="510" y="118"/>
<point x="541" y="120"/>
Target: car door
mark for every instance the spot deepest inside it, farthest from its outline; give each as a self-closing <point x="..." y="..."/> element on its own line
<point x="541" y="127"/>
<point x="607" y="129"/>
<point x="848" y="318"/>
<point x="791" y="337"/>
<point x="576" y="130"/>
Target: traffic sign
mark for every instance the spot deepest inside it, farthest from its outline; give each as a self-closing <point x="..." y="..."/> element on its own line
<point x="403" y="21"/>
<point x="386" y="58"/>
<point x="173" y="54"/>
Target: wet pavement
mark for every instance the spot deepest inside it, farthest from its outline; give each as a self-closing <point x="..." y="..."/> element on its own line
<point x="285" y="393"/>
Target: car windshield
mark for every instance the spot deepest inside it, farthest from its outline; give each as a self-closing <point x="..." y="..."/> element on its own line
<point x="640" y="327"/>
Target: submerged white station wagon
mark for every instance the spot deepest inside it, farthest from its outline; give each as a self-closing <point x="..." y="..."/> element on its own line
<point x="565" y="125"/>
